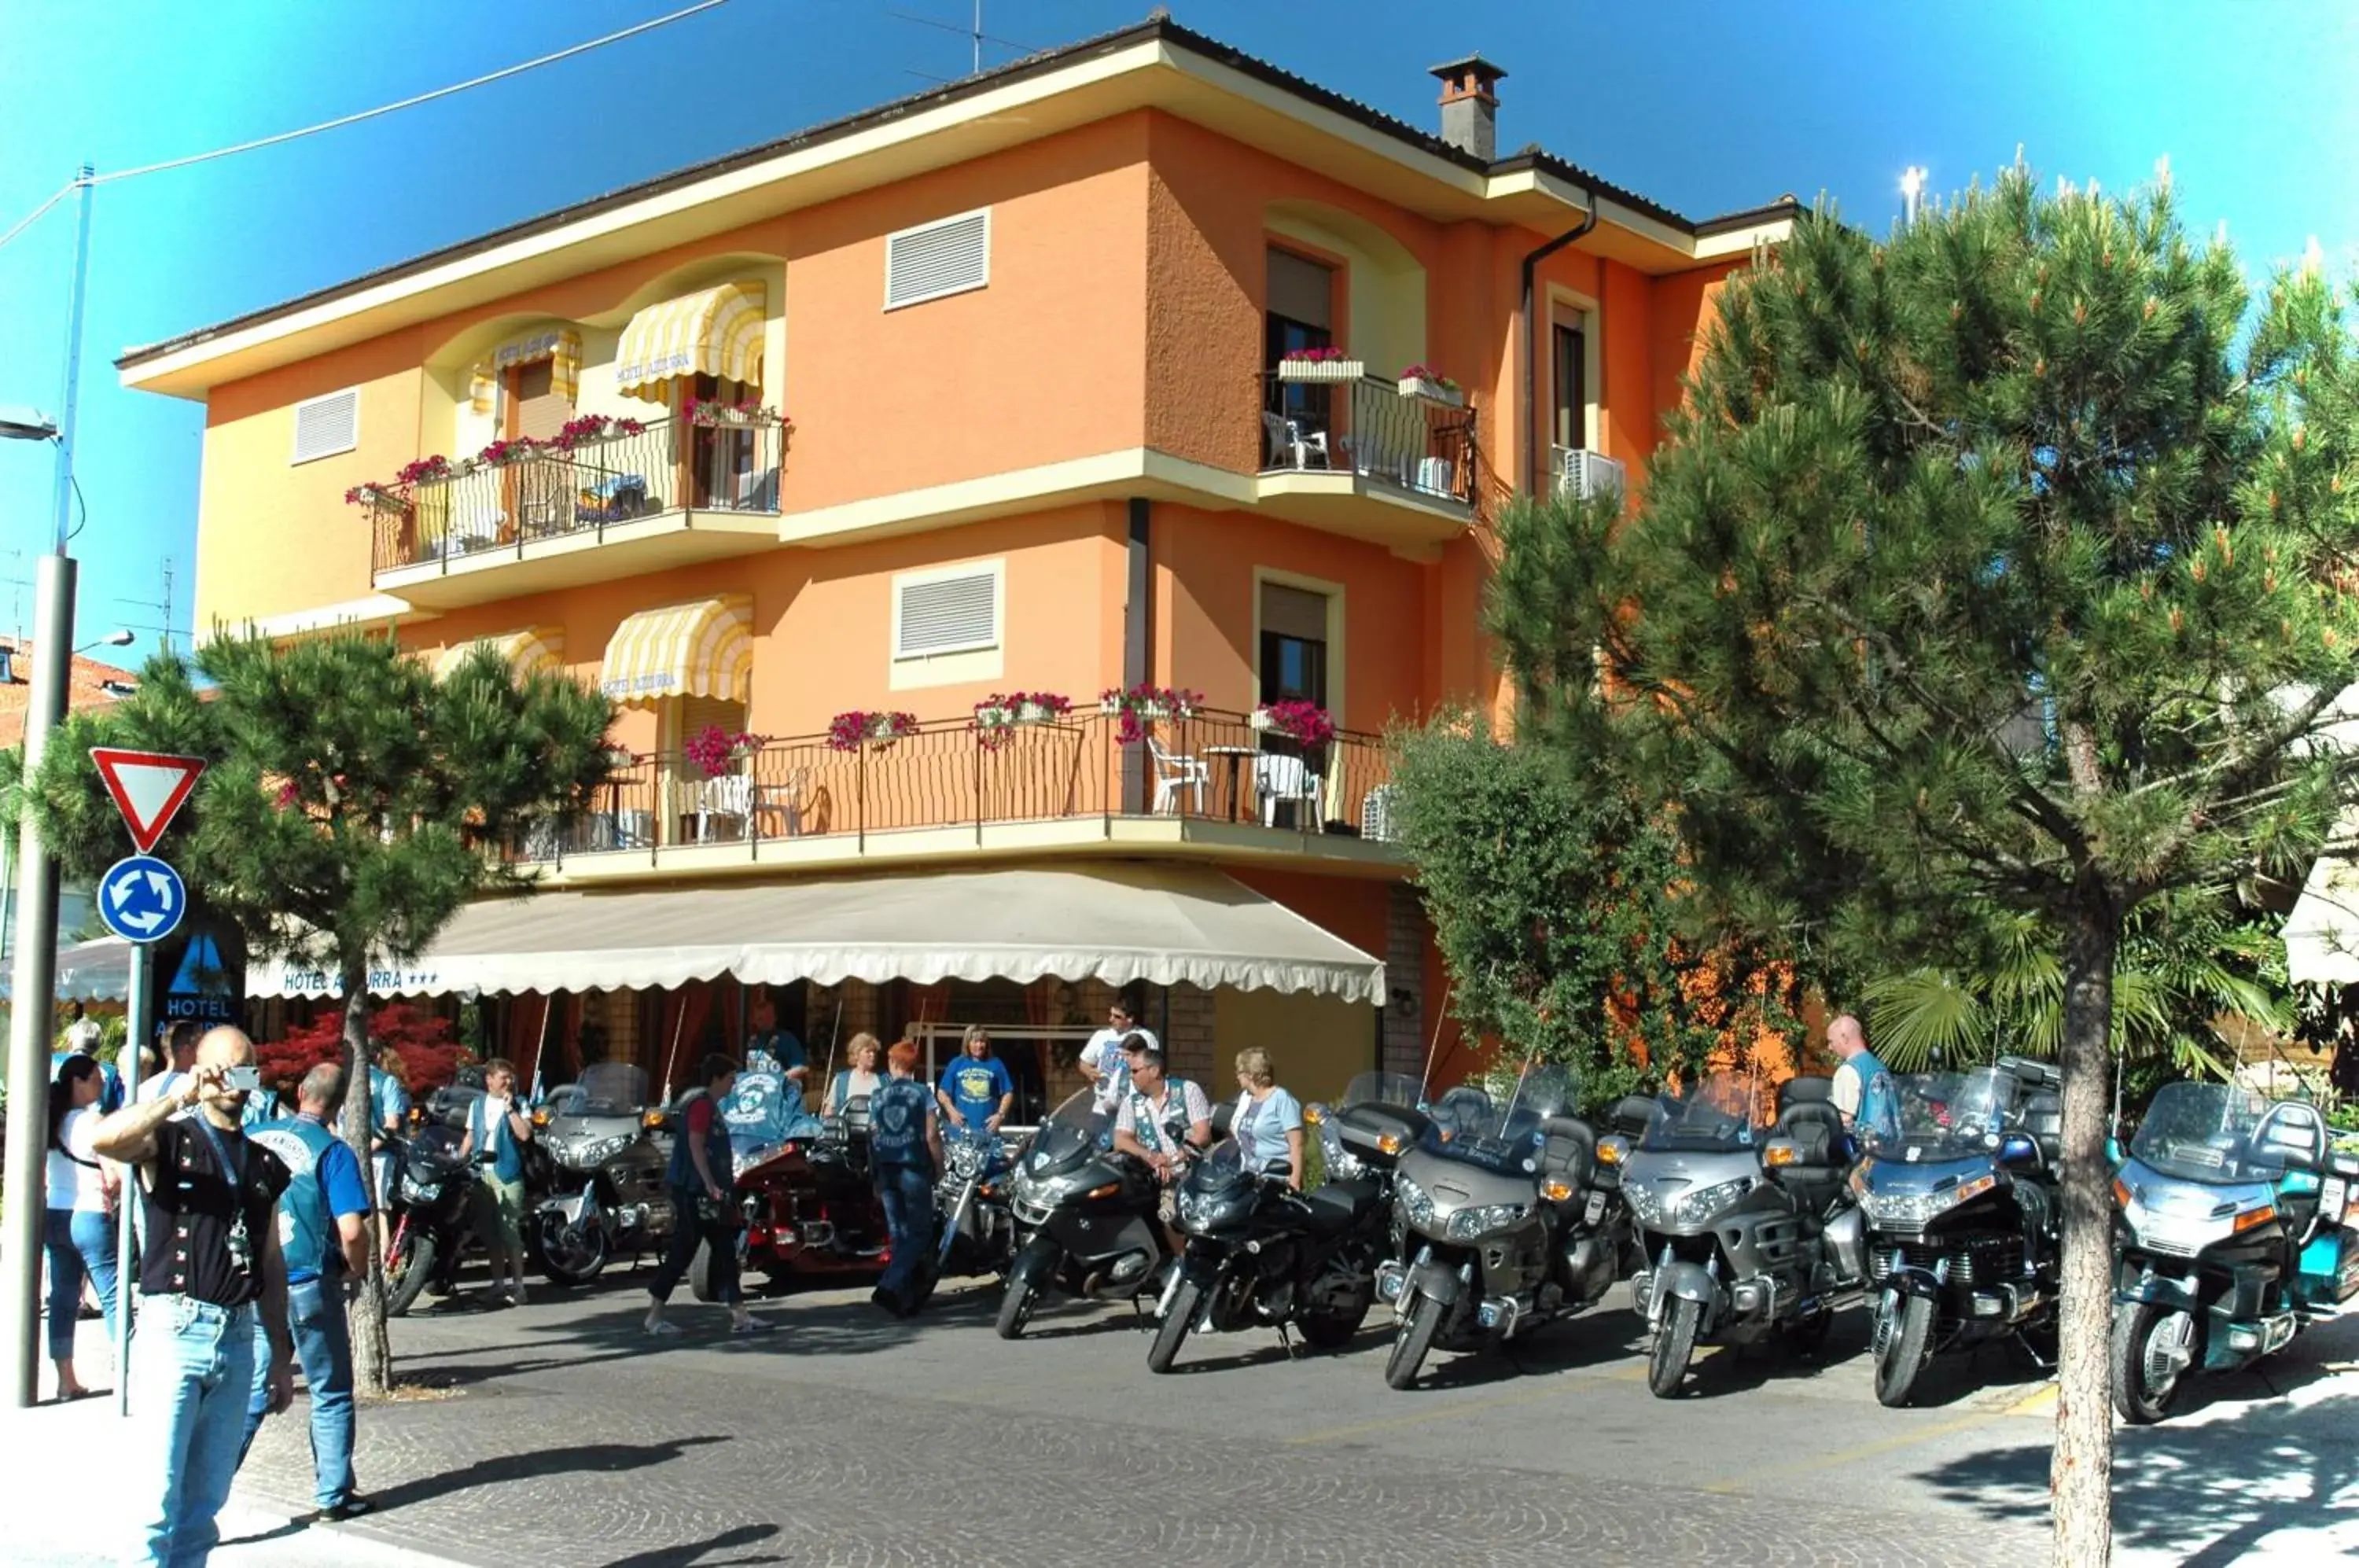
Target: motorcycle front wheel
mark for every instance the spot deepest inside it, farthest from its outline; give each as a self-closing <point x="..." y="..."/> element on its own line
<point x="2148" y="1339"/>
<point x="1674" y="1346"/>
<point x="1902" y="1346"/>
<point x="1172" y="1332"/>
<point x="406" y="1272"/>
<point x="571" y="1256"/>
<point x="1413" y="1342"/>
<point x="1015" y="1304"/>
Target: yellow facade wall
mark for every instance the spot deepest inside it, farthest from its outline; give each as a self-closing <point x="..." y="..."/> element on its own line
<point x="1317" y="1044"/>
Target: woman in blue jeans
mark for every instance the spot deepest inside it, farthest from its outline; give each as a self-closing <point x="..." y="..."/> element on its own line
<point x="79" y="1229"/>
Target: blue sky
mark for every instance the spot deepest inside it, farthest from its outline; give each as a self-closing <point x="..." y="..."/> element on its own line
<point x="1706" y="106"/>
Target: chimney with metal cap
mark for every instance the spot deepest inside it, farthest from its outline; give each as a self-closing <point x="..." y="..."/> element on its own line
<point x="1470" y="106"/>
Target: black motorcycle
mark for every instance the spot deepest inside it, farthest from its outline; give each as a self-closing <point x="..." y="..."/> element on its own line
<point x="1261" y="1255"/>
<point x="975" y="1226"/>
<point x="598" y="1175"/>
<point x="1959" y="1191"/>
<point x="1085" y="1215"/>
<point x="432" y="1216"/>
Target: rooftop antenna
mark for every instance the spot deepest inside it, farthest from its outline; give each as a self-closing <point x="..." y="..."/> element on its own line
<point x="976" y="37"/>
<point x="163" y="628"/>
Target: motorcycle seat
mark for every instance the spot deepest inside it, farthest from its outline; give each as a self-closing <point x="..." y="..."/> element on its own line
<point x="2043" y="1118"/>
<point x="1814" y="1127"/>
<point x="1569" y="1151"/>
<point x="1631" y="1114"/>
<point x="1339" y="1206"/>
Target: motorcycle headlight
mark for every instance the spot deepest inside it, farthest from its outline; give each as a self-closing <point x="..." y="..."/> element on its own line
<point x="1646" y="1203"/>
<point x="1342" y="1165"/>
<point x="1703" y="1201"/>
<point x="1467" y="1224"/>
<point x="1914" y="1211"/>
<point x="1206" y="1211"/>
<point x="1416" y="1204"/>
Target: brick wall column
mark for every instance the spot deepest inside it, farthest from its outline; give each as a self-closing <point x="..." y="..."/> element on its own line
<point x="1189" y="1048"/>
<point x="1406" y="935"/>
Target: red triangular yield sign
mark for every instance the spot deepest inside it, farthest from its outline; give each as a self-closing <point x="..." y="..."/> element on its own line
<point x="148" y="788"/>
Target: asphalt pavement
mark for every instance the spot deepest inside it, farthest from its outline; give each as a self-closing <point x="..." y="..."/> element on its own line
<point x="557" y="1434"/>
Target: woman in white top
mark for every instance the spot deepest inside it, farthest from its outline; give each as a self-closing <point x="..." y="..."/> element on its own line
<point x="856" y="1081"/>
<point x="1268" y="1125"/>
<point x="78" y="1232"/>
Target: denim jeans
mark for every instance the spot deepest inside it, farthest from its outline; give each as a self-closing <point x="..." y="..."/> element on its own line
<point x="719" y="1233"/>
<point x="79" y="1242"/>
<point x="324" y="1348"/>
<point x="191" y="1370"/>
<point x="906" y="1193"/>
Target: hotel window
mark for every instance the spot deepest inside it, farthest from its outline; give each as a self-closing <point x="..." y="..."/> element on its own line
<point x="1293" y="645"/>
<point x="1571" y="358"/>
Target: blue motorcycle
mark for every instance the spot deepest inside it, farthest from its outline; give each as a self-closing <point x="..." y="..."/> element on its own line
<point x="2233" y="1232"/>
<point x="1959" y="1191"/>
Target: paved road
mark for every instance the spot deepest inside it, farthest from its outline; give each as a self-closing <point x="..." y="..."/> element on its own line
<point x="565" y="1439"/>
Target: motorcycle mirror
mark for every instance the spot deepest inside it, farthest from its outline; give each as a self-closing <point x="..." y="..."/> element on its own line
<point x="2017" y="1149"/>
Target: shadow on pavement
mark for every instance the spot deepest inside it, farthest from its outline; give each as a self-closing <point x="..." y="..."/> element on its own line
<point x="699" y="1553"/>
<point x="2204" y="1490"/>
<point x="595" y="1458"/>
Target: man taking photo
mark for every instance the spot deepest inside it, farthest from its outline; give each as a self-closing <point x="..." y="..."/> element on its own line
<point x="213" y="1267"/>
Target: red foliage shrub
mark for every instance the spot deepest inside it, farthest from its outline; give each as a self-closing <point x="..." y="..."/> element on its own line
<point x="430" y="1055"/>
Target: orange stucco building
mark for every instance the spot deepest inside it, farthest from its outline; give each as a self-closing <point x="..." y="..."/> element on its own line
<point x="1083" y="375"/>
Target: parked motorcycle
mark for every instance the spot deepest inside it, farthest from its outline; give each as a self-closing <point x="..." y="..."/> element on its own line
<point x="432" y="1216"/>
<point x="1499" y="1225"/>
<point x="2235" y="1233"/>
<point x="600" y="1173"/>
<point x="1085" y="1216"/>
<point x="1743" y="1232"/>
<point x="1260" y="1253"/>
<point x="807" y="1202"/>
<point x="1958" y="1190"/>
<point x="974" y="1229"/>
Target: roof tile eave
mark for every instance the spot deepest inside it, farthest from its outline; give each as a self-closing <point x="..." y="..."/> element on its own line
<point x="1156" y="28"/>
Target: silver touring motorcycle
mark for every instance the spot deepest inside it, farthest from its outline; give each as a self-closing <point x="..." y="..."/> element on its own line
<point x="1498" y="1222"/>
<point x="1745" y="1229"/>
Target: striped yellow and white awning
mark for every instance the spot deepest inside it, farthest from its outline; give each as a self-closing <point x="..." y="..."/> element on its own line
<point x="704" y="648"/>
<point x="716" y="332"/>
<point x="532" y="651"/>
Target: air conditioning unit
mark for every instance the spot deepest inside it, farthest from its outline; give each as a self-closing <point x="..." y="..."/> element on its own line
<point x="1582" y="474"/>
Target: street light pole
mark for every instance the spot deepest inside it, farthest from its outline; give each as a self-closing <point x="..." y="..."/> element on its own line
<point x="34" y="981"/>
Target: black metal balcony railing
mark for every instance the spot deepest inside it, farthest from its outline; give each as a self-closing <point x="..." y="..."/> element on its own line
<point x="1214" y="767"/>
<point x="550" y="493"/>
<point x="1367" y="426"/>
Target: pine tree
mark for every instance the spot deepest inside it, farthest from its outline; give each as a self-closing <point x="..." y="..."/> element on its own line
<point x="352" y="804"/>
<point x="1984" y="570"/>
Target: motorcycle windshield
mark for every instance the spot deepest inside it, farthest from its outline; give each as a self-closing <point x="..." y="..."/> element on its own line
<point x="1715" y="1116"/>
<point x="2203" y="1132"/>
<point x="1496" y="1124"/>
<point x="1384" y="1089"/>
<point x="1943" y="1116"/>
<point x="1076" y="1125"/>
<point x="604" y="1089"/>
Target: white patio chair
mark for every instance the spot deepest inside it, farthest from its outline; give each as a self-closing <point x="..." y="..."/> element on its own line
<point x="784" y="801"/>
<point x="475" y="528"/>
<point x="726" y="801"/>
<point x="1280" y="780"/>
<point x="1174" y="773"/>
<point x="1287" y="440"/>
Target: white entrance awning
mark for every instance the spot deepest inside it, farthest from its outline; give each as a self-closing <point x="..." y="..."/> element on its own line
<point x="95" y="971"/>
<point x="1166" y="925"/>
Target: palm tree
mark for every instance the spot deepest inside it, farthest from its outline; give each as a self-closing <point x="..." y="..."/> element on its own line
<point x="2185" y="963"/>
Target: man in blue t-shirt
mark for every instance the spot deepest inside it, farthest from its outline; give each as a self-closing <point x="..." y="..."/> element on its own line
<point x="976" y="1092"/>
<point x="323" y="1231"/>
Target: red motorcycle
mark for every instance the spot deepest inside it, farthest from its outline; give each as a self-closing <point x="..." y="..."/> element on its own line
<point x="807" y="1207"/>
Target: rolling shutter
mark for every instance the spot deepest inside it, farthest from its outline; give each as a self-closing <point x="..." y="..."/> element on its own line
<point x="946" y="614"/>
<point x="934" y="259"/>
<point x="326" y="426"/>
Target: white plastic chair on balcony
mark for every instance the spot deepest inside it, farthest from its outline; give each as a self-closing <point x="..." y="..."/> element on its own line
<point x="1287" y="440"/>
<point x="1281" y="780"/>
<point x="1174" y="773"/>
<point x="783" y="801"/>
<point x="475" y="527"/>
<point x="723" y="802"/>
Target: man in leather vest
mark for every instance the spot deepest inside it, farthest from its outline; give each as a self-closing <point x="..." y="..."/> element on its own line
<point x="212" y="1266"/>
<point x="323" y="1231"/>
